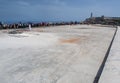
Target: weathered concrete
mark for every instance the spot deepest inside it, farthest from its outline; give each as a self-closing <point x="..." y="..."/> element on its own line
<point x="65" y="54"/>
<point x="111" y="72"/>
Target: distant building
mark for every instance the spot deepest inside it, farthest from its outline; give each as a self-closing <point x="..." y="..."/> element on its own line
<point x="103" y="20"/>
<point x="91" y="15"/>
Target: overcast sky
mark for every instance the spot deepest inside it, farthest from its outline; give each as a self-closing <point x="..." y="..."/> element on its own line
<point x="56" y="10"/>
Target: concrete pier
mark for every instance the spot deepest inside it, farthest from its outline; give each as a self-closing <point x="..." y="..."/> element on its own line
<point x="111" y="72"/>
<point x="56" y="54"/>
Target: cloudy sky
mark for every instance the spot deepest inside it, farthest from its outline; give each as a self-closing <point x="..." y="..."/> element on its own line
<point x="56" y="10"/>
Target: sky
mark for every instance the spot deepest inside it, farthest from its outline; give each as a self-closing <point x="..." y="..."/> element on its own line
<point x="56" y="10"/>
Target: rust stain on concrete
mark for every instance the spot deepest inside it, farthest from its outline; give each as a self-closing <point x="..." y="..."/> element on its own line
<point x="71" y="40"/>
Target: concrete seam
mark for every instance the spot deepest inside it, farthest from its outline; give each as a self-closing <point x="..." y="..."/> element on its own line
<point x="98" y="75"/>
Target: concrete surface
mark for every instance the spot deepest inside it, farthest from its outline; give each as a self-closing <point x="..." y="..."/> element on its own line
<point x="60" y="54"/>
<point x="111" y="72"/>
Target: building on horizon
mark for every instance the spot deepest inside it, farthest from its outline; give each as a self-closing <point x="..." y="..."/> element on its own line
<point x="102" y="20"/>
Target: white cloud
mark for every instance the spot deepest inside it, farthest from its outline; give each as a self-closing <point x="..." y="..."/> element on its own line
<point x="23" y="3"/>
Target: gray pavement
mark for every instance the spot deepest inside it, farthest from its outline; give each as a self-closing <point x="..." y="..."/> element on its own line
<point x="60" y="54"/>
<point x="111" y="72"/>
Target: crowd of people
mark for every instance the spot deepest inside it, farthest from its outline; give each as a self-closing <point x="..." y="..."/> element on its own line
<point x="41" y="24"/>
